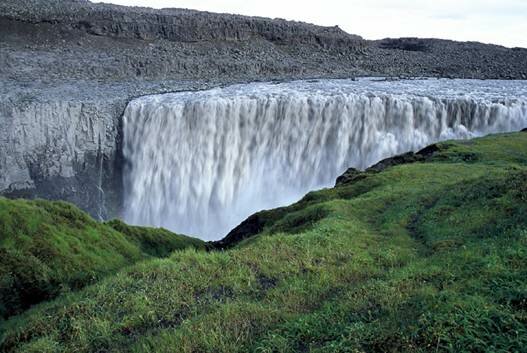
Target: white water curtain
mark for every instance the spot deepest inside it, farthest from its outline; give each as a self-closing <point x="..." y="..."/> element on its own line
<point x="200" y="163"/>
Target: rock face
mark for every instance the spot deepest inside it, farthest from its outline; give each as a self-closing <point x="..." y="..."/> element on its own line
<point x="69" y="67"/>
<point x="61" y="149"/>
<point x="248" y="228"/>
<point x="178" y="25"/>
<point x="350" y="175"/>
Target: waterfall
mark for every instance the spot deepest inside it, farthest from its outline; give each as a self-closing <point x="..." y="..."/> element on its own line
<point x="199" y="163"/>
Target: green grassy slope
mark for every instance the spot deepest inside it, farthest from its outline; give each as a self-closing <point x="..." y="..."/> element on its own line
<point x="51" y="247"/>
<point x="420" y="257"/>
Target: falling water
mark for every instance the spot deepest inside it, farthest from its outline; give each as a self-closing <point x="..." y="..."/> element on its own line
<point x="201" y="162"/>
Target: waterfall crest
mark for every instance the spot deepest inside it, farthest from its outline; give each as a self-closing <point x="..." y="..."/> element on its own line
<point x="201" y="162"/>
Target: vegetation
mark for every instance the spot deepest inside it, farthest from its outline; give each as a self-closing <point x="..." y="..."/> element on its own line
<point x="419" y="257"/>
<point x="48" y="248"/>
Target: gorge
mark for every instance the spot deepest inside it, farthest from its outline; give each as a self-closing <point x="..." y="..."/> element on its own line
<point x="69" y="68"/>
<point x="174" y="180"/>
<point x="201" y="162"/>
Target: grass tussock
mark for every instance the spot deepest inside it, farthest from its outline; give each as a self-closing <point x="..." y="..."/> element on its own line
<point x="422" y="257"/>
<point x="49" y="248"/>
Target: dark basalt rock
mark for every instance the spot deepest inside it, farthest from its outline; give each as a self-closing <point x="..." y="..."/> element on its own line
<point x="179" y="25"/>
<point x="429" y="151"/>
<point x="349" y="176"/>
<point x="410" y="157"/>
<point x="408" y="44"/>
<point x="406" y="158"/>
<point x="248" y="228"/>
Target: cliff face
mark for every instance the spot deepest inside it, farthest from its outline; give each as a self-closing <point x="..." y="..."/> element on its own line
<point x="178" y="25"/>
<point x="61" y="149"/>
<point x="64" y="141"/>
<point x="69" y="67"/>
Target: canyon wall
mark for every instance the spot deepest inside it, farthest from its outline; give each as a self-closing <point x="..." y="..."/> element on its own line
<point x="62" y="150"/>
<point x="68" y="68"/>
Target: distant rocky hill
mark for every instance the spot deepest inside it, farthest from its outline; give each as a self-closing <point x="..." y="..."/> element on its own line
<point x="74" y="39"/>
<point x="180" y="25"/>
<point x="69" y="67"/>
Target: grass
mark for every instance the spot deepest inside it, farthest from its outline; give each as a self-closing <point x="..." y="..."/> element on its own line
<point x="48" y="248"/>
<point x="422" y="257"/>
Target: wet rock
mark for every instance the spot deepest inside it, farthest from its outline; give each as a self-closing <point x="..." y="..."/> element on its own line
<point x="248" y="228"/>
<point x="421" y="156"/>
<point x="351" y="175"/>
<point x="429" y="151"/>
<point x="406" y="158"/>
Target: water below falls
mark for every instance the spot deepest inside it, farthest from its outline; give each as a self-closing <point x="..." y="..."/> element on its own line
<point x="199" y="163"/>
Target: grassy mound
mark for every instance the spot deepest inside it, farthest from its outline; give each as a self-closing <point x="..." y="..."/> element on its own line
<point x="47" y="248"/>
<point x="412" y="257"/>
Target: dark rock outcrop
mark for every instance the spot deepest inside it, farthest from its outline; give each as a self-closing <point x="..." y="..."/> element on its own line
<point x="407" y="44"/>
<point x="405" y="158"/>
<point x="179" y="25"/>
<point x="423" y="155"/>
<point x="352" y="175"/>
<point x="248" y="228"/>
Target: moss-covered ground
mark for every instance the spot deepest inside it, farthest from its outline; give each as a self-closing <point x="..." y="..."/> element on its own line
<point x="421" y="257"/>
<point x="48" y="248"/>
